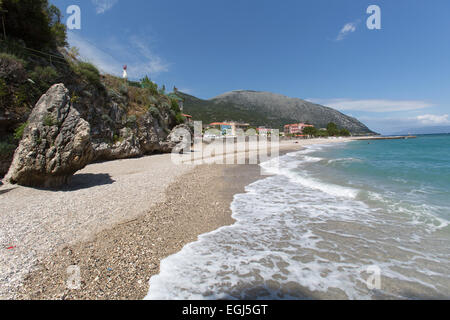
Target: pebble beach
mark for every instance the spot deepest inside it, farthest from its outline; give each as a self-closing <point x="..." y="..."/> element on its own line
<point x="115" y="221"/>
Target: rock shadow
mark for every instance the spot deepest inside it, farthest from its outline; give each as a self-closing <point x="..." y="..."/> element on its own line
<point x="86" y="181"/>
<point x="6" y="191"/>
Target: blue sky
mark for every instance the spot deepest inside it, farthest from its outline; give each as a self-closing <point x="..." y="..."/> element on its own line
<point x="319" y="50"/>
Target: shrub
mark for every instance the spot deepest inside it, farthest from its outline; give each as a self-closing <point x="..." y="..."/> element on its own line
<point x="344" y="133"/>
<point x="6" y="149"/>
<point x="88" y="72"/>
<point x="36" y="22"/>
<point x="11" y="57"/>
<point x="45" y="77"/>
<point x="134" y="84"/>
<point x="131" y="121"/>
<point x="152" y="100"/>
<point x="154" y="112"/>
<point x="123" y="90"/>
<point x="18" y="133"/>
<point x="49" y="121"/>
<point x="179" y="118"/>
<point x="174" y="105"/>
<point x="4" y="92"/>
<point x="152" y="87"/>
<point x="107" y="119"/>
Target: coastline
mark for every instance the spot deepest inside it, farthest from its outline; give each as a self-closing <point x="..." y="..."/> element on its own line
<point x="118" y="261"/>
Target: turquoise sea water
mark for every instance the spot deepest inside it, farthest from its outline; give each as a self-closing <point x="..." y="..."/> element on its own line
<point x="358" y="220"/>
<point x="413" y="173"/>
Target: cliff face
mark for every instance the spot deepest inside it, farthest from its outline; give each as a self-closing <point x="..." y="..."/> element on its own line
<point x="125" y="120"/>
<point x="57" y="141"/>
<point x="269" y="109"/>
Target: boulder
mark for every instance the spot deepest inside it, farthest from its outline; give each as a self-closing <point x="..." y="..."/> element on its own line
<point x="179" y="139"/>
<point x="56" y="143"/>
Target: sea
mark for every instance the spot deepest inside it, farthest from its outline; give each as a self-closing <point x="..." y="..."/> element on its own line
<point x="356" y="220"/>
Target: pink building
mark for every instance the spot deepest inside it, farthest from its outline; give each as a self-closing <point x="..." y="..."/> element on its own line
<point x="296" y="128"/>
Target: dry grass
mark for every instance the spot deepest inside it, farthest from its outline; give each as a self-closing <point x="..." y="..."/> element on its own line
<point x="139" y="99"/>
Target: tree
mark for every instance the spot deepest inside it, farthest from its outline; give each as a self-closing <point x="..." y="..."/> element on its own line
<point x="74" y="52"/>
<point x="162" y="91"/>
<point x="344" y="133"/>
<point x="148" y="84"/>
<point x="332" y="129"/>
<point x="310" y="131"/>
<point x="35" y="22"/>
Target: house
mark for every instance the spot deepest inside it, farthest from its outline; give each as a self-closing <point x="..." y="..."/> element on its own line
<point x="229" y="128"/>
<point x="262" y="131"/>
<point x="295" y="129"/>
<point x="188" y="118"/>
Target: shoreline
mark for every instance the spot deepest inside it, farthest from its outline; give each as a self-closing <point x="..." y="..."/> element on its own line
<point x="118" y="261"/>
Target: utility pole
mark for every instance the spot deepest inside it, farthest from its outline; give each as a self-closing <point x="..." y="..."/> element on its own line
<point x="3" y="22"/>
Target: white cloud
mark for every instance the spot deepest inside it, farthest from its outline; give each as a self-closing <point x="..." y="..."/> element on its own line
<point x="152" y="63"/>
<point x="134" y="52"/>
<point x="186" y="90"/>
<point x="394" y="125"/>
<point x="101" y="6"/>
<point x="373" y="105"/>
<point x="431" y="119"/>
<point x="347" y="29"/>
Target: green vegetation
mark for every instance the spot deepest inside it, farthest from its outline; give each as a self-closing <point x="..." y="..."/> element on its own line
<point x="36" y="22"/>
<point x="88" y="72"/>
<point x="18" y="133"/>
<point x="154" y="112"/>
<point x="107" y="119"/>
<point x="175" y="106"/>
<point x="49" y="121"/>
<point x="4" y="92"/>
<point x="331" y="131"/>
<point x="310" y="131"/>
<point x="6" y="149"/>
<point x="180" y="119"/>
<point x="44" y="77"/>
<point x="131" y="121"/>
<point x="148" y="84"/>
<point x="12" y="57"/>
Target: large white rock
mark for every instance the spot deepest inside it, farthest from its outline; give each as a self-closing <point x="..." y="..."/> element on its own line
<point x="56" y="143"/>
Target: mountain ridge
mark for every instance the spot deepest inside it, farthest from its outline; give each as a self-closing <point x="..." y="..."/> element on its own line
<point x="262" y="108"/>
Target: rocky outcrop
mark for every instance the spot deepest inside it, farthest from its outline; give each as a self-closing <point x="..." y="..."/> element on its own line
<point x="114" y="121"/>
<point x="56" y="143"/>
<point x="179" y="140"/>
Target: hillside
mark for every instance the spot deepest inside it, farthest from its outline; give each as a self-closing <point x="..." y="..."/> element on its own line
<point x="268" y="109"/>
<point x="121" y="119"/>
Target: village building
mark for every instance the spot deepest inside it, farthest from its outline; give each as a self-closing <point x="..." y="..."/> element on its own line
<point x="262" y="131"/>
<point x="296" y="129"/>
<point x="188" y="118"/>
<point x="230" y="128"/>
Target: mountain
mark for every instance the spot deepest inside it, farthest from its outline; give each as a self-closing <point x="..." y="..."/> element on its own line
<point x="267" y="109"/>
<point x="426" y="130"/>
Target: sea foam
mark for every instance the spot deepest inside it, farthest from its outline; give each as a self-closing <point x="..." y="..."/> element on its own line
<point x="297" y="237"/>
